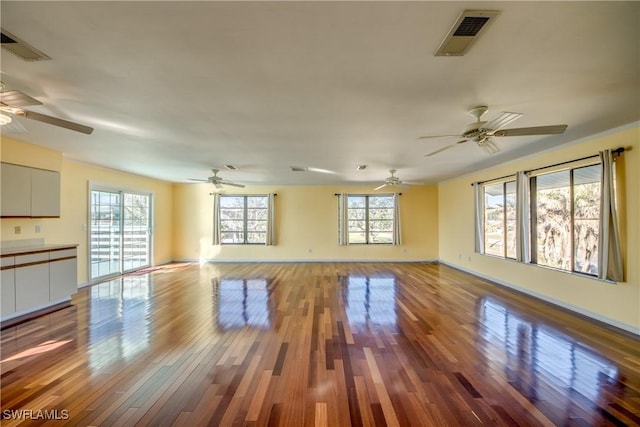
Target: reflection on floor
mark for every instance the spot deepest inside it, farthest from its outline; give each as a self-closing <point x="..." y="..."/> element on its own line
<point x="242" y="302"/>
<point x="119" y="322"/>
<point x="333" y="344"/>
<point x="542" y="363"/>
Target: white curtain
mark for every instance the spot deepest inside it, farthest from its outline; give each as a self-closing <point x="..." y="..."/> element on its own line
<point x="271" y="221"/>
<point x="523" y="230"/>
<point x="343" y="224"/>
<point x="397" y="229"/>
<point x="216" y="219"/>
<point x="609" y="251"/>
<point x="478" y="208"/>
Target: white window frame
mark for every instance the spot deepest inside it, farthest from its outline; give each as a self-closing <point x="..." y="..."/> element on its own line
<point x="245" y="219"/>
<point x="368" y="220"/>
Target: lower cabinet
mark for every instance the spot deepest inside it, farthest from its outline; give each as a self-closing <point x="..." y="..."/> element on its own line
<point x="8" y="294"/>
<point x="32" y="288"/>
<point x="62" y="278"/>
<point x="34" y="280"/>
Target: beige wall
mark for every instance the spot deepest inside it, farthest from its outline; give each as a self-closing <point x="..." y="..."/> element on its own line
<point x="74" y="184"/>
<point x="307" y="225"/>
<point x="307" y="228"/>
<point x="619" y="303"/>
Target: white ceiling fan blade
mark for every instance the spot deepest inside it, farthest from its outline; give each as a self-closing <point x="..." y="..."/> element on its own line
<point x="55" y="121"/>
<point x="380" y="187"/>
<point x="412" y="183"/>
<point x="437" y="136"/>
<point x="538" y="130"/>
<point x="503" y="119"/>
<point x="445" y="148"/>
<point x="200" y="180"/>
<point x="17" y="99"/>
<point x="233" y="184"/>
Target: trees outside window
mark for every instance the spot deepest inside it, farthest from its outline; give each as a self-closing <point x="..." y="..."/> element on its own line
<point x="370" y="219"/>
<point x="243" y="219"/>
<point x="500" y="219"/>
<point x="566" y="229"/>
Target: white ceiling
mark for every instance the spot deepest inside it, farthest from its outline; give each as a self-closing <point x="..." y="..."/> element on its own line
<point x="174" y="89"/>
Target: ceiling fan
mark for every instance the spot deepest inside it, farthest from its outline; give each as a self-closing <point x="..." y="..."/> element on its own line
<point x="12" y="101"/>
<point x="394" y="181"/>
<point x="482" y="132"/>
<point x="218" y="181"/>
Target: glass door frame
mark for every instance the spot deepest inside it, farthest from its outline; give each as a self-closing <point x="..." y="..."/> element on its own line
<point x="121" y="191"/>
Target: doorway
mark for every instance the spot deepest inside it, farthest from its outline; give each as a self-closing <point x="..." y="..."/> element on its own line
<point x="120" y="232"/>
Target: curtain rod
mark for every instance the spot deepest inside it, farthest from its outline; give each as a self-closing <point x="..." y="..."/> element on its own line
<point x="617" y="151"/>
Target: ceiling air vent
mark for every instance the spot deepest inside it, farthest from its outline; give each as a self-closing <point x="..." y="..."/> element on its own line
<point x="298" y="169"/>
<point x="465" y="31"/>
<point x="16" y="46"/>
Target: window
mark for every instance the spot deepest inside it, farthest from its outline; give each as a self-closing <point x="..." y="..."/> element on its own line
<point x="500" y="219"/>
<point x="566" y="219"/>
<point x="243" y="219"/>
<point x="370" y="219"/>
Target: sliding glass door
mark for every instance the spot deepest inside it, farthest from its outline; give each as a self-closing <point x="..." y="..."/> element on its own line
<point x="120" y="232"/>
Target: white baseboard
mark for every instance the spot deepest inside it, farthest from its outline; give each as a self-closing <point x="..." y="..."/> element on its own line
<point x="301" y="260"/>
<point x="629" y="328"/>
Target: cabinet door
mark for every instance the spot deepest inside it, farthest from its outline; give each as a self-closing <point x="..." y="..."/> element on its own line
<point x="15" y="190"/>
<point x="32" y="281"/>
<point x="8" y="294"/>
<point x="45" y="193"/>
<point x="62" y="279"/>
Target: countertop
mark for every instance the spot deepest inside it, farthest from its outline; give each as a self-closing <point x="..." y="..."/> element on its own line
<point x="19" y="250"/>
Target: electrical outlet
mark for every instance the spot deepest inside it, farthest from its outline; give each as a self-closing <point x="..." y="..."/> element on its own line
<point x="38" y="229"/>
<point x="84" y="227"/>
<point x="17" y="229"/>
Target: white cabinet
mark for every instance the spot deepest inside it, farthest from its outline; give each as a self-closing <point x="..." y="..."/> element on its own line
<point x="16" y="190"/>
<point x="62" y="274"/>
<point x="32" y="280"/>
<point x="8" y="287"/>
<point x="29" y="192"/>
<point x="45" y="193"/>
<point x="35" y="278"/>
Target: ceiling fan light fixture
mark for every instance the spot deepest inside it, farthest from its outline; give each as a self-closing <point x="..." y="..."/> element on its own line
<point x="489" y="146"/>
<point x="5" y="120"/>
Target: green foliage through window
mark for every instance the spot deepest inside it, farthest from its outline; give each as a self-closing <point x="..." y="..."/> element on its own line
<point x="243" y="219"/>
<point x="370" y="219"/>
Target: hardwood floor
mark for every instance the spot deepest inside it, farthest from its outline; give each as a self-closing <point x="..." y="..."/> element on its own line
<point x="311" y="344"/>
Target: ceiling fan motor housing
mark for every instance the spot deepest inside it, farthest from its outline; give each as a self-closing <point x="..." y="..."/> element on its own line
<point x="474" y="130"/>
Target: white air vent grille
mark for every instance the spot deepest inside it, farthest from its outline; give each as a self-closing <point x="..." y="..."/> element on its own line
<point x="19" y="48"/>
<point x="467" y="28"/>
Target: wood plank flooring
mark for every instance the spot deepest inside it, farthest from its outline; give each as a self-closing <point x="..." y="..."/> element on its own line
<point x="315" y="344"/>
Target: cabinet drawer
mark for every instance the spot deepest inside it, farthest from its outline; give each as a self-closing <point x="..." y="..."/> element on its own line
<point x="64" y="253"/>
<point x="29" y="258"/>
<point x="7" y="261"/>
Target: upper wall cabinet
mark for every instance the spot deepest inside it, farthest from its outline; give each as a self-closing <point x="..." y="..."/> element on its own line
<point x="29" y="192"/>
